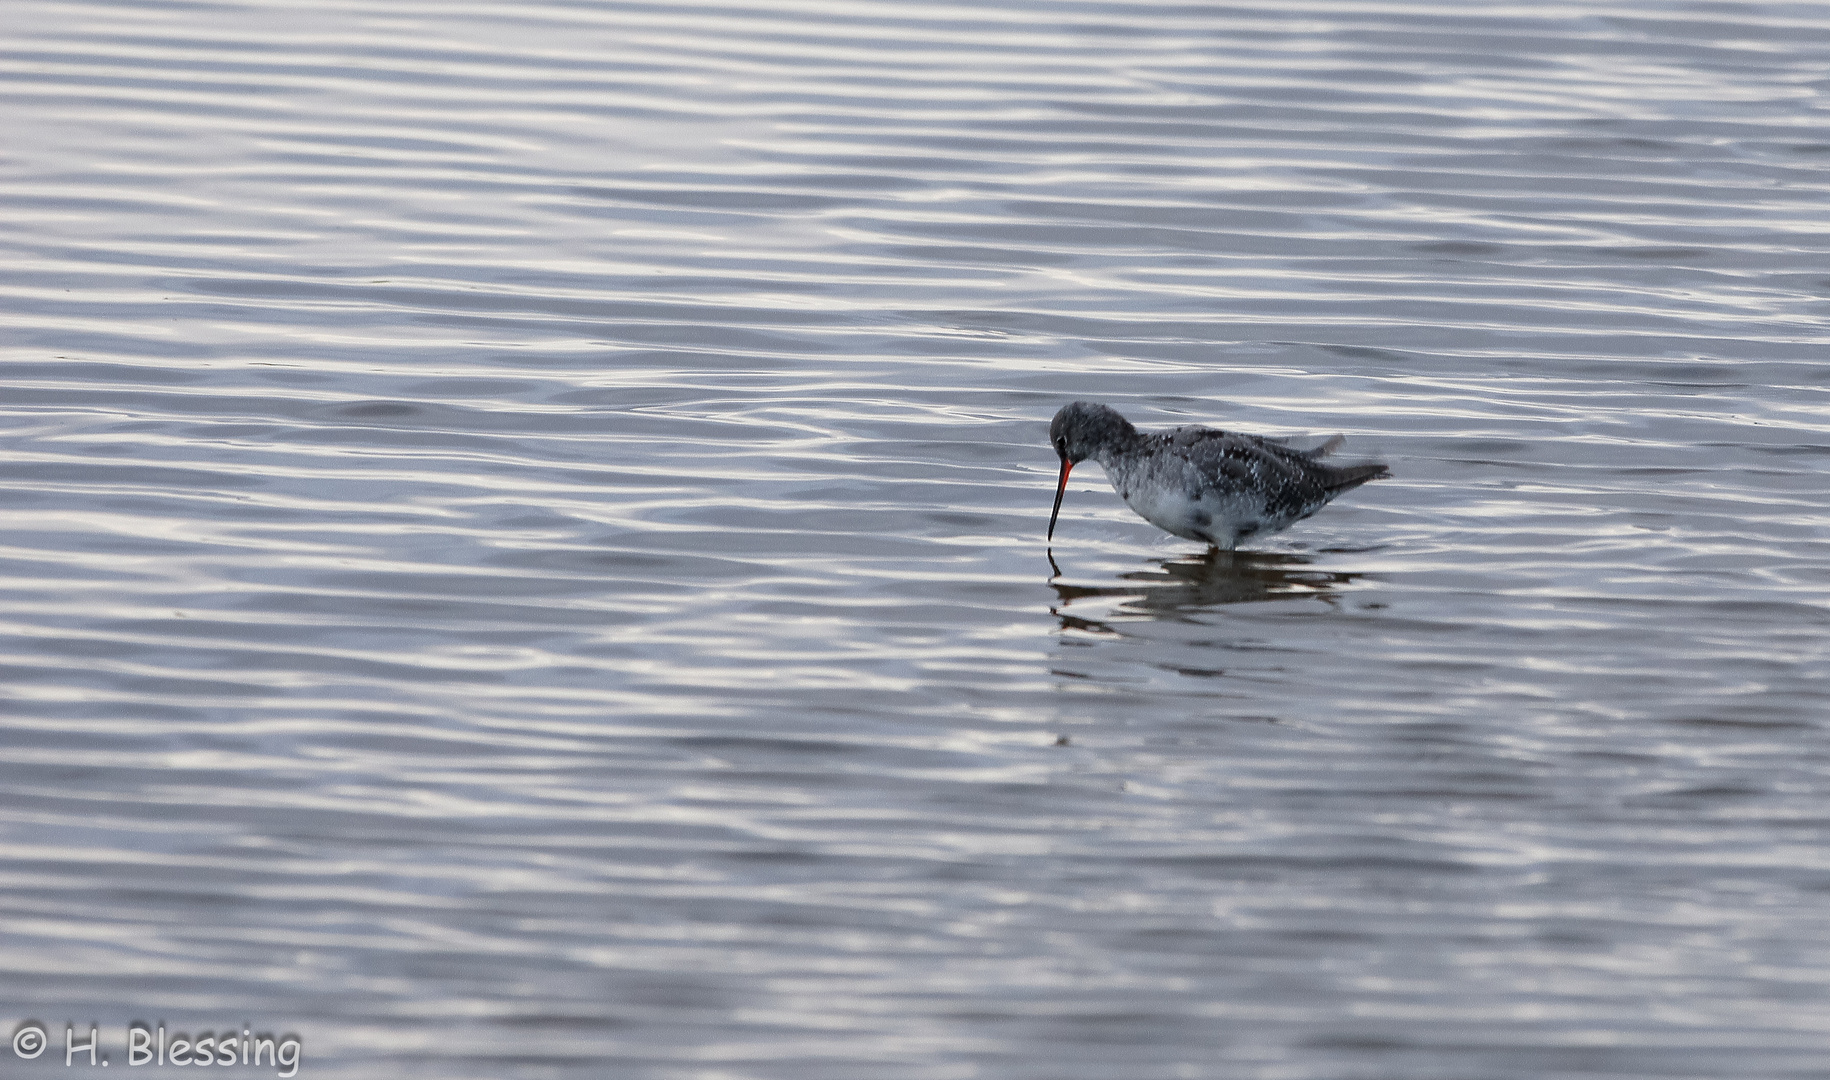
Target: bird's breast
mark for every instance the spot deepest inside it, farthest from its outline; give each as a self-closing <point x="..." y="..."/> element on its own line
<point x="1178" y="505"/>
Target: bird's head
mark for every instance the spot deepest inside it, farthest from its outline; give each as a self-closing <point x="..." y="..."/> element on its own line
<point x="1084" y="428"/>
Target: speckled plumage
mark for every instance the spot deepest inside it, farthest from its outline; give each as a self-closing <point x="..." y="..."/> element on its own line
<point x="1198" y="483"/>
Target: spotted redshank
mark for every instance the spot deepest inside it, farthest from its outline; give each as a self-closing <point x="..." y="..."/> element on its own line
<point x="1198" y="483"/>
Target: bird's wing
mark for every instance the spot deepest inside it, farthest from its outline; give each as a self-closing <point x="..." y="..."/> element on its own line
<point x="1291" y="482"/>
<point x="1231" y="458"/>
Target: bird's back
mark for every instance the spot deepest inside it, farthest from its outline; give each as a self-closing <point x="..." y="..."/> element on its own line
<point x="1224" y="486"/>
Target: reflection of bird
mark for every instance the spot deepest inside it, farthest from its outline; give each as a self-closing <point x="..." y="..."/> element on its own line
<point x="1194" y="582"/>
<point x="1199" y="483"/>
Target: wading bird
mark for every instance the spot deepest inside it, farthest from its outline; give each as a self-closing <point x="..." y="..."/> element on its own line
<point x="1199" y="483"/>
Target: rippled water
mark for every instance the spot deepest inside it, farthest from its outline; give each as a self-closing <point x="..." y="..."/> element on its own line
<point x="523" y="537"/>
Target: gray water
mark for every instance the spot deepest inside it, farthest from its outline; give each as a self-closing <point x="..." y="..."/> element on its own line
<point x="523" y="553"/>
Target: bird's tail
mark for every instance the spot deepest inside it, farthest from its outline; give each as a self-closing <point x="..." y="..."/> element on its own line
<point x="1348" y="477"/>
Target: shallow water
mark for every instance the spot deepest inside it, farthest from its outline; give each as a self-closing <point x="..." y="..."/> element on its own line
<point x="523" y="547"/>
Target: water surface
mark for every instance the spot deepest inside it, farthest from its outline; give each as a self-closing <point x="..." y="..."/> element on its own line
<point x="523" y="537"/>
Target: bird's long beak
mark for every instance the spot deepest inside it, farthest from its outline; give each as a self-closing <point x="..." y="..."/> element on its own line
<point x="1060" y="490"/>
